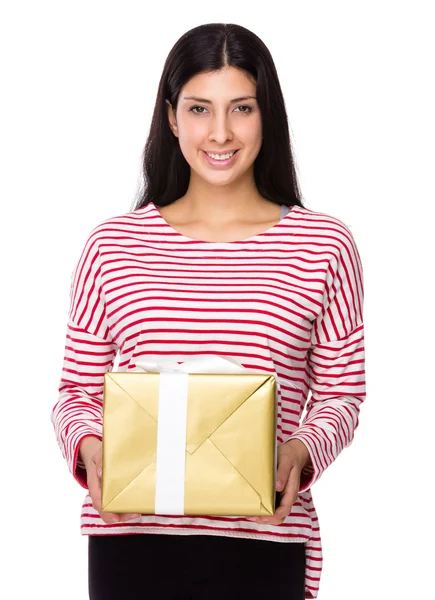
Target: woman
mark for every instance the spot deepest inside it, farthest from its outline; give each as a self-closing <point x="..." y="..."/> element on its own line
<point x="219" y="256"/>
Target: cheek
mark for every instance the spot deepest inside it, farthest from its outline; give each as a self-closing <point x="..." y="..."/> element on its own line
<point x="191" y="135"/>
<point x="252" y="134"/>
<point x="190" y="144"/>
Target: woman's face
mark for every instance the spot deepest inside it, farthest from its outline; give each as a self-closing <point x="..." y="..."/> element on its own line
<point x="224" y="116"/>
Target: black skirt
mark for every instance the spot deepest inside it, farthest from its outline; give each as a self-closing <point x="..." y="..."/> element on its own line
<point x="196" y="567"/>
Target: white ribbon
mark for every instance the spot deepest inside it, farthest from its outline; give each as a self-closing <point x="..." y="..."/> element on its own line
<point x="172" y="419"/>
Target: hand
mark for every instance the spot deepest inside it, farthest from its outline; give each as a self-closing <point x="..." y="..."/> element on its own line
<point x="91" y="453"/>
<point x="292" y="457"/>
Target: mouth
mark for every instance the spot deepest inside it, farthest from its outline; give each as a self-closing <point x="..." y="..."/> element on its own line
<point x="220" y="160"/>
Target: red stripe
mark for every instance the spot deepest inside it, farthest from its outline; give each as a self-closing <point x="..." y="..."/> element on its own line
<point x="193" y="527"/>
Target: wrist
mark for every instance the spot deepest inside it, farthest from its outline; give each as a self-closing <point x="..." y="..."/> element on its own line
<point x="87" y="447"/>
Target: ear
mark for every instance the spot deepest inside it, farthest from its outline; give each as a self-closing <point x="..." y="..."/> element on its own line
<point x="172" y="119"/>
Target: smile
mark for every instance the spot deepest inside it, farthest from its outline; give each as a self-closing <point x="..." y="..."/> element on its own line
<point x="220" y="160"/>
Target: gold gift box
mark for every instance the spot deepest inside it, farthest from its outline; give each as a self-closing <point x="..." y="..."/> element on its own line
<point x="230" y="462"/>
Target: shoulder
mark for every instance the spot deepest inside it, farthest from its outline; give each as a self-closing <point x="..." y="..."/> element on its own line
<point x="117" y="225"/>
<point x="325" y="228"/>
<point x="320" y="220"/>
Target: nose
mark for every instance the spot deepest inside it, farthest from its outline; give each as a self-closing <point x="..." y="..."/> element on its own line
<point x="220" y="129"/>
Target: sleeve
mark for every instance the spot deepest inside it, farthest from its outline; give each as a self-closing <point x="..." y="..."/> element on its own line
<point x="89" y="353"/>
<point x="336" y="365"/>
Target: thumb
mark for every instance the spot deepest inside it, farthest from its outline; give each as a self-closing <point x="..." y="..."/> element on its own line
<point x="282" y="474"/>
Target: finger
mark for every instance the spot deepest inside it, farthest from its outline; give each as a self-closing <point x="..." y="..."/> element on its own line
<point x="293" y="483"/>
<point x="287" y="500"/>
<point x="283" y="472"/>
<point x="109" y="517"/>
<point x="290" y="494"/>
<point x="128" y="516"/>
<point x="272" y="520"/>
<point x="94" y="485"/>
<point x="95" y="493"/>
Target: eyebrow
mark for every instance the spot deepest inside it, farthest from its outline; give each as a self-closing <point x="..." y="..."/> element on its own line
<point x="205" y="101"/>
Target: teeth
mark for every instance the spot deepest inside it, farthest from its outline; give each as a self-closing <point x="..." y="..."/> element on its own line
<point x="220" y="156"/>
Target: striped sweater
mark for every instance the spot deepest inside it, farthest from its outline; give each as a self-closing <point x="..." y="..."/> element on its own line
<point x="287" y="301"/>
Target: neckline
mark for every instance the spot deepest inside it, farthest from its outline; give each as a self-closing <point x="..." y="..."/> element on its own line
<point x="155" y="211"/>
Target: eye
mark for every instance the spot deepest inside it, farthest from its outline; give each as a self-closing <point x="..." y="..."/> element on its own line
<point x="193" y="109"/>
<point x="245" y="106"/>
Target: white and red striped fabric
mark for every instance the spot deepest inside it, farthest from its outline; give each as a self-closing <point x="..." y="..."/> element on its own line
<point x="287" y="301"/>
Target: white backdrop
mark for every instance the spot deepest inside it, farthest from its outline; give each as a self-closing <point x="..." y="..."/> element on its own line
<point x="79" y="83"/>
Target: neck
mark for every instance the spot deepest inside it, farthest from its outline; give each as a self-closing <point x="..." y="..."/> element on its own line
<point x="208" y="202"/>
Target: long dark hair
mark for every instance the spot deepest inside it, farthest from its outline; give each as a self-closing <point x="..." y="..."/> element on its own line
<point x="210" y="47"/>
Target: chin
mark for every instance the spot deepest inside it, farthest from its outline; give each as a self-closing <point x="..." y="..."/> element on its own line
<point x="218" y="181"/>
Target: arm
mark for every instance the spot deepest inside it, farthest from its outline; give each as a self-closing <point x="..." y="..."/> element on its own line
<point x="89" y="353"/>
<point x="335" y="363"/>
